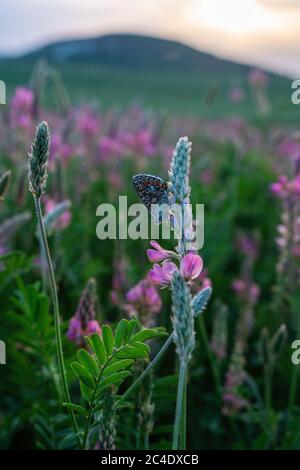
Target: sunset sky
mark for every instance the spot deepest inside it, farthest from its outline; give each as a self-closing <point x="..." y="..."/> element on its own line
<point x="261" y="32"/>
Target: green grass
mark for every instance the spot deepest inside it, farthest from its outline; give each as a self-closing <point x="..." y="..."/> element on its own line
<point x="167" y="91"/>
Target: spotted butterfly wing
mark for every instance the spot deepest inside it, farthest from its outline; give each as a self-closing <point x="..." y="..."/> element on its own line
<point x="153" y="191"/>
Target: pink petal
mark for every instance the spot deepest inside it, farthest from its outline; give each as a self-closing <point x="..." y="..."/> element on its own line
<point x="168" y="269"/>
<point x="155" y="256"/>
<point x="156" y="275"/>
<point x="191" y="266"/>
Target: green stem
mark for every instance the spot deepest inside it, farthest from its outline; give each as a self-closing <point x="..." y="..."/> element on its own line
<point x="59" y="350"/>
<point x="254" y="389"/>
<point x="152" y="364"/>
<point x="268" y="389"/>
<point x="211" y="358"/>
<point x="90" y="414"/>
<point x="43" y="265"/>
<point x="180" y="416"/>
<point x="146" y="441"/>
<point x="293" y="388"/>
<point x="183" y="421"/>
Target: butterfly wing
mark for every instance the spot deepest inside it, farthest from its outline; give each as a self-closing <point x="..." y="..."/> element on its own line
<point x="153" y="191"/>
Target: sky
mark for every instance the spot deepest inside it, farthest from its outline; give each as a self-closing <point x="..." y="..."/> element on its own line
<point x="265" y="33"/>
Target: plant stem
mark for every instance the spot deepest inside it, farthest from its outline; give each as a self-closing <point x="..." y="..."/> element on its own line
<point x="59" y="350"/>
<point x="146" y="441"/>
<point x="211" y="358"/>
<point x="180" y="417"/>
<point x="183" y="421"/>
<point x="91" y="407"/>
<point x="152" y="364"/>
<point x="293" y="388"/>
<point x="268" y="389"/>
<point x="43" y="265"/>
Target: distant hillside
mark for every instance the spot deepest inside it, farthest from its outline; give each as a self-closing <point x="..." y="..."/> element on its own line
<point x="163" y="75"/>
<point x="133" y="51"/>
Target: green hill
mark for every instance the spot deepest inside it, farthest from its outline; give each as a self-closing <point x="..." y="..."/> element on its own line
<point x="165" y="75"/>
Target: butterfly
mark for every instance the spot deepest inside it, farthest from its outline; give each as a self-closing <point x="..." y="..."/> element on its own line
<point x="153" y="192"/>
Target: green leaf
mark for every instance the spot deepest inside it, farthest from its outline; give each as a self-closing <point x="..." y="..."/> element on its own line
<point x="20" y="320"/>
<point x="108" y="339"/>
<point x="114" y="378"/>
<point x="124" y="404"/>
<point x="148" y="333"/>
<point x="97" y="346"/>
<point x="4" y="182"/>
<point x="86" y="392"/>
<point x="120" y="332"/>
<point x="78" y="409"/>
<point x="117" y="366"/>
<point x="43" y="315"/>
<point x="142" y="346"/>
<point x="98" y="407"/>
<point x="69" y="441"/>
<point x="131" y="352"/>
<point x="130" y="327"/>
<point x="88" y="362"/>
<point x="83" y="374"/>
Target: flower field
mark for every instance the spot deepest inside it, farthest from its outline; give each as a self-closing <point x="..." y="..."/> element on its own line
<point x="148" y="343"/>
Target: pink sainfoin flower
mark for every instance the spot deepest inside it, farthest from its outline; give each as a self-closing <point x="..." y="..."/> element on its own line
<point x="287" y="190"/>
<point x="143" y="301"/>
<point x="93" y="327"/>
<point x="289" y="148"/>
<point x="279" y="188"/>
<point x="75" y="331"/>
<point x="22" y="108"/>
<point x="247" y="245"/>
<point x="84" y="322"/>
<point x="60" y="151"/>
<point x="246" y="290"/>
<point x="233" y="401"/>
<point x="284" y="188"/>
<point x="110" y="148"/>
<point x="23" y="100"/>
<point x="139" y="142"/>
<point x="87" y="124"/>
<point x="239" y="285"/>
<point x="190" y="267"/>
